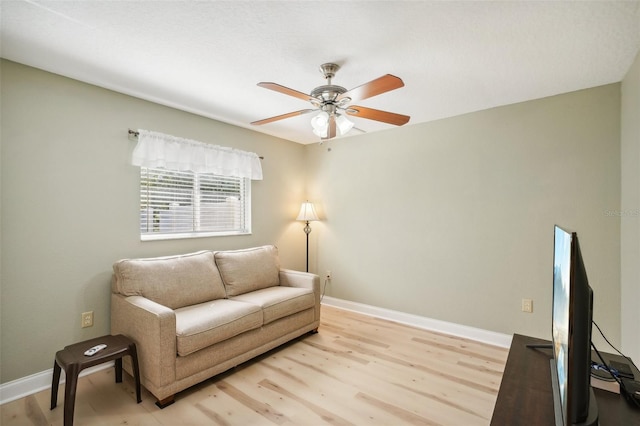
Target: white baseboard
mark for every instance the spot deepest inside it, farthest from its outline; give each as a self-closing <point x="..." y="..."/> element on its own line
<point x="25" y="386"/>
<point x="37" y="382"/>
<point x="478" y="334"/>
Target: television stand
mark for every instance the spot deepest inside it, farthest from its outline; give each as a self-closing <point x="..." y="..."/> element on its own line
<point x="526" y="398"/>
<point x="592" y="415"/>
<point x="540" y="346"/>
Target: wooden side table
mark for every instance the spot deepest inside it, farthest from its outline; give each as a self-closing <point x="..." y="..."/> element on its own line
<point x="525" y="396"/>
<point x="73" y="360"/>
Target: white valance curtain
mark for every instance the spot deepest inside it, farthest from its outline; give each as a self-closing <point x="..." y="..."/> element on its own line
<point x="157" y="150"/>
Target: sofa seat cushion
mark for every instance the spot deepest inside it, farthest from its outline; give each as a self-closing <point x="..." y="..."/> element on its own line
<point x="278" y="302"/>
<point x="172" y="281"/>
<point x="247" y="270"/>
<point x="205" y="324"/>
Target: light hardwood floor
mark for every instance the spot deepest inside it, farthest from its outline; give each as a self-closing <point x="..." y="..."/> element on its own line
<point x="357" y="370"/>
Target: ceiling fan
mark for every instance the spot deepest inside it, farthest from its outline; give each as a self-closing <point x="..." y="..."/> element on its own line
<point x="333" y="103"/>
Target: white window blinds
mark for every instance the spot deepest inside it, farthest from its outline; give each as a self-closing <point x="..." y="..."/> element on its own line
<point x="175" y="204"/>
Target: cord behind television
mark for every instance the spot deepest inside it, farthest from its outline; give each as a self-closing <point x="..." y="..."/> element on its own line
<point x="623" y="389"/>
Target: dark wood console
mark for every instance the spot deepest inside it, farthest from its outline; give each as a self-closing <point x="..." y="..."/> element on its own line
<point x="525" y="396"/>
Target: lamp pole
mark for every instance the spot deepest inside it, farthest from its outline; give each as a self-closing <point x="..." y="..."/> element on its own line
<point x="307" y="229"/>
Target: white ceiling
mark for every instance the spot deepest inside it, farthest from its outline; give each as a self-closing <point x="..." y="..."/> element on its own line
<point x="206" y="57"/>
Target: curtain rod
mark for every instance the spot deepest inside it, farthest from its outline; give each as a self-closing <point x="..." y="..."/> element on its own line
<point x="134" y="134"/>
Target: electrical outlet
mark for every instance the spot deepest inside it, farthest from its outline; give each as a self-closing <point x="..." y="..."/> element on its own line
<point x="527" y="305"/>
<point x="328" y="275"/>
<point x="87" y="319"/>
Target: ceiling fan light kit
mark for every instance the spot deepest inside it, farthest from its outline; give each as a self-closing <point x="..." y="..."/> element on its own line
<point x="320" y="124"/>
<point x="332" y="102"/>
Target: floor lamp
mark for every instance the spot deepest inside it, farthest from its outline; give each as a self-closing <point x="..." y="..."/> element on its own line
<point x="307" y="214"/>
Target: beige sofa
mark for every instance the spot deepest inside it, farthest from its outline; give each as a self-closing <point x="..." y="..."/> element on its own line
<point x="195" y="315"/>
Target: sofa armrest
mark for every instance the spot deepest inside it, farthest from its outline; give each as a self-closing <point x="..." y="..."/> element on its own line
<point x="291" y="278"/>
<point x="153" y="328"/>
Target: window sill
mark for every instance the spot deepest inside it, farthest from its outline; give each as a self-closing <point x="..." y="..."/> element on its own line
<point x="185" y="235"/>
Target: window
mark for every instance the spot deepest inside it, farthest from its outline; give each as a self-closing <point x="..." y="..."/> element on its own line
<point x="183" y="204"/>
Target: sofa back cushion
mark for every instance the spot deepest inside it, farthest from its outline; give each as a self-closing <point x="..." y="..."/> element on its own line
<point x="172" y="281"/>
<point x="247" y="270"/>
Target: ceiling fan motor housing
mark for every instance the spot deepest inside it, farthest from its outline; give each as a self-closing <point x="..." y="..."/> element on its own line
<point x="328" y="93"/>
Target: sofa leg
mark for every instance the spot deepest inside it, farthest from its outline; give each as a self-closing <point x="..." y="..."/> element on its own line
<point x="314" y="331"/>
<point x="162" y="403"/>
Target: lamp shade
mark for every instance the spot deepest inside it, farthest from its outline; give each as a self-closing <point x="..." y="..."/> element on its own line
<point x="344" y="125"/>
<point x="320" y="124"/>
<point x="307" y="212"/>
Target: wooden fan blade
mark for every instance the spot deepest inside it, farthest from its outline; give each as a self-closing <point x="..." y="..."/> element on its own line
<point x="374" y="87"/>
<point x="282" y="117"/>
<point x="376" y="114"/>
<point x="281" y="89"/>
<point x="331" y="131"/>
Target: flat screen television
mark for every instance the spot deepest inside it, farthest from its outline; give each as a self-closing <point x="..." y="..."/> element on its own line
<point x="574" y="401"/>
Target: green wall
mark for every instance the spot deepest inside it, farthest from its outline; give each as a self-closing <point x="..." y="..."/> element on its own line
<point x="630" y="212"/>
<point x="453" y="219"/>
<point x="70" y="202"/>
